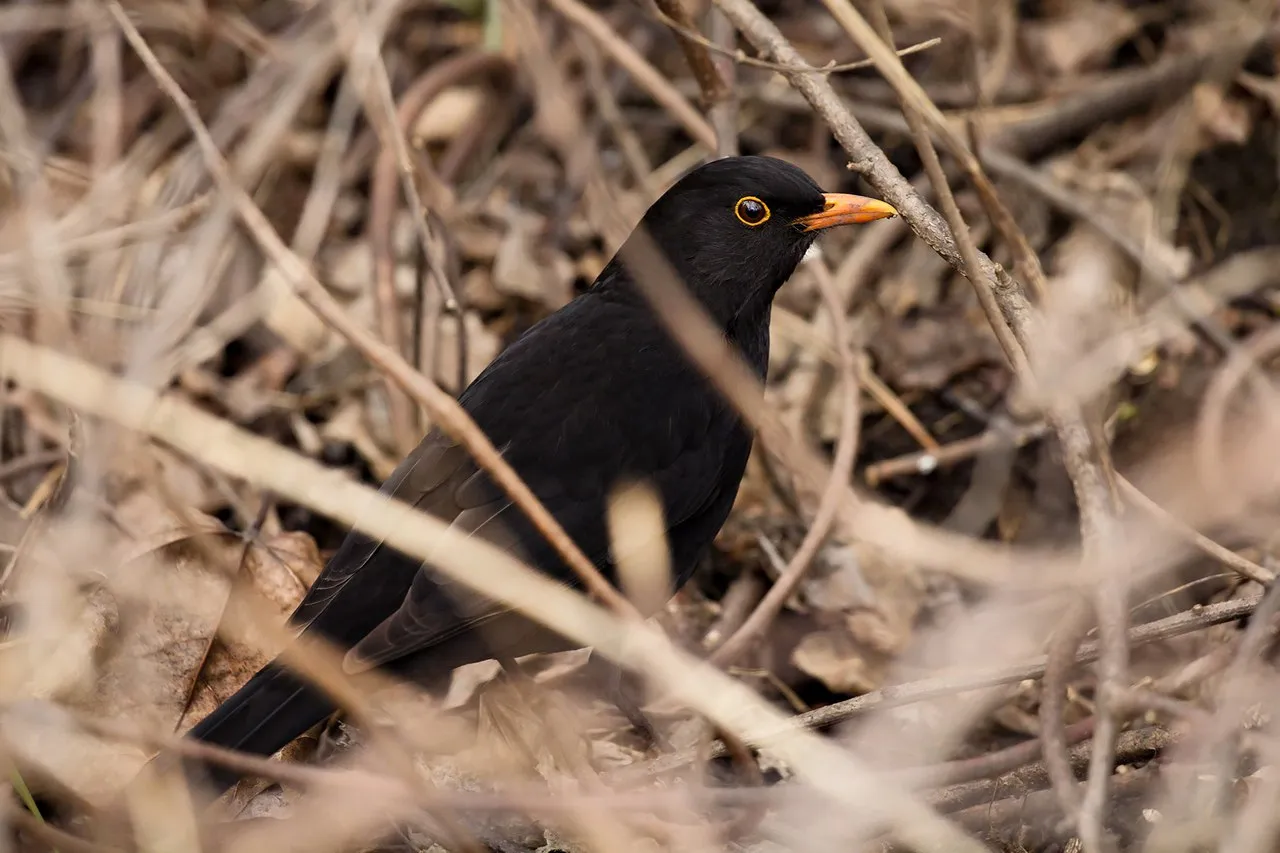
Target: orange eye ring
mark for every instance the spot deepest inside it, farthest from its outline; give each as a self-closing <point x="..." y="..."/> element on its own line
<point x="751" y="211"/>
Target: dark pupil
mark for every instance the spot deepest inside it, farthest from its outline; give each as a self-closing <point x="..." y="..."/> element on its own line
<point x="752" y="210"/>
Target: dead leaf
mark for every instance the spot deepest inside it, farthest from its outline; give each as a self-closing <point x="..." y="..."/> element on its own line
<point x="300" y="554"/>
<point x="63" y="667"/>
<point x="513" y="733"/>
<point x="272" y="569"/>
<point x="1221" y="118"/>
<point x="447" y="114"/>
<point x="478" y="291"/>
<point x="176" y="595"/>
<point x="466" y="682"/>
<point x="832" y="657"/>
<point x="482" y="343"/>
<point x="526" y="269"/>
<point x="1082" y="40"/>
<point x="879" y="599"/>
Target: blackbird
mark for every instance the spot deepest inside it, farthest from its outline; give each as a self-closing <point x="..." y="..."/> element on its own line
<point x="592" y="395"/>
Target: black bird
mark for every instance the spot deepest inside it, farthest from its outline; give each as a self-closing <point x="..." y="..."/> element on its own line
<point x="594" y="394"/>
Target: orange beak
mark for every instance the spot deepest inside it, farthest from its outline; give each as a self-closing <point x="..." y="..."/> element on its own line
<point x="845" y="209"/>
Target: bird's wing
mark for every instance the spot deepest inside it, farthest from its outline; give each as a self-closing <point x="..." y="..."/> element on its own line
<point x="437" y="607"/>
<point x="426" y="479"/>
<point x="570" y="446"/>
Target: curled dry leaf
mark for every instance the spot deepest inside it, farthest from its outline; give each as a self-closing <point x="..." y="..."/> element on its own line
<point x="1083" y="39"/>
<point x="526" y="727"/>
<point x="278" y="569"/>
<point x="483" y="346"/>
<point x="447" y="114"/>
<point x="1221" y="118"/>
<point x="835" y="659"/>
<point x="467" y="681"/>
<point x="525" y="269"/>
<point x="870" y="604"/>
<point x="288" y="316"/>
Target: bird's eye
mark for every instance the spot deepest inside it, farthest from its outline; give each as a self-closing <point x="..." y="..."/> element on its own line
<point x="751" y="211"/>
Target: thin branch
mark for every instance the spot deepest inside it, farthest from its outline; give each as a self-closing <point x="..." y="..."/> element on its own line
<point x="383" y="201"/>
<point x="924" y="461"/>
<point x="983" y="288"/>
<point x="696" y="51"/>
<point x="690" y="34"/>
<point x="1062" y="657"/>
<point x="1228" y="558"/>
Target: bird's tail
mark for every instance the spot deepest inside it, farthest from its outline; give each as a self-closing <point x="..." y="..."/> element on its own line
<point x="263" y="716"/>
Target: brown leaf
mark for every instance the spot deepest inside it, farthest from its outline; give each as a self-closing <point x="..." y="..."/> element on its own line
<point x="277" y="569"/>
<point x="63" y="666"/>
<point x="467" y="681"/>
<point x="151" y="522"/>
<point x="525" y="269"/>
<point x="483" y="347"/>
<point x="1221" y="118"/>
<point x="1082" y="40"/>
<point x="835" y="659"/>
<point x="177" y="595"/>
<point x="879" y="599"/>
<point x="447" y="114"/>
<point x="527" y="727"/>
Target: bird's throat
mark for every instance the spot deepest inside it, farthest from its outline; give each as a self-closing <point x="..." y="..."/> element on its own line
<point x="749" y="334"/>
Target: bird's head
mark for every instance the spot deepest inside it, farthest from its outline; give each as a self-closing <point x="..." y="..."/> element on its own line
<point x="736" y="228"/>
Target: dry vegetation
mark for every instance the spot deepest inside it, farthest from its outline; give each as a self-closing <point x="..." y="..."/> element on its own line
<point x="250" y="250"/>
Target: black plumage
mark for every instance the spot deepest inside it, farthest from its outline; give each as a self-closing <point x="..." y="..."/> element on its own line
<point x="594" y="394"/>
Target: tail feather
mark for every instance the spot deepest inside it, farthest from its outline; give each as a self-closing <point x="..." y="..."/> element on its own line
<point x="263" y="716"/>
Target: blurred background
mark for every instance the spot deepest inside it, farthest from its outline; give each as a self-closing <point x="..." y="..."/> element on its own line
<point x="452" y="171"/>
